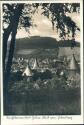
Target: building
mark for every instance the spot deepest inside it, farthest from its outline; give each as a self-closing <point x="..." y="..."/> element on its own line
<point x="73" y="66"/>
<point x="35" y="66"/>
<point x="27" y="72"/>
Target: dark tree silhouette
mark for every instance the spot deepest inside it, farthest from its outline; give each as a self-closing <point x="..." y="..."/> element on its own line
<point x="59" y="18"/>
<point x="12" y="29"/>
<point x="15" y="16"/>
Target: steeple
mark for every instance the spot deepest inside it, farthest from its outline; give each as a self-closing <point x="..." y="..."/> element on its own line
<point x="35" y="66"/>
<point x="73" y="64"/>
<point x="27" y="72"/>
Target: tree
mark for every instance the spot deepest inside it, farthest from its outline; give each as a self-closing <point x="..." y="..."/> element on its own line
<point x="14" y="12"/>
<point x="14" y="16"/>
<point x="57" y="12"/>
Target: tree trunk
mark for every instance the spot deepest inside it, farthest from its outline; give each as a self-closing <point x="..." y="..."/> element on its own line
<point x="5" y="40"/>
<point x="10" y="56"/>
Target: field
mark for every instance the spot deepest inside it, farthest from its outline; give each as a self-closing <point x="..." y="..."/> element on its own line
<point x="48" y="103"/>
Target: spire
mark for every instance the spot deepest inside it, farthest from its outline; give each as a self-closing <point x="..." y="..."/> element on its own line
<point x="35" y="66"/>
<point x="73" y="64"/>
<point x="27" y="72"/>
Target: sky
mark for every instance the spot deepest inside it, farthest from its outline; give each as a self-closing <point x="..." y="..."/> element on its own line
<point x="44" y="27"/>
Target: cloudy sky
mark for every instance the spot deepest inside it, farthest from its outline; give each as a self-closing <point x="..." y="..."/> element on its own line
<point x="44" y="27"/>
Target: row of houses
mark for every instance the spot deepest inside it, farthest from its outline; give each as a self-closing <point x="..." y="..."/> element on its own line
<point x="73" y="67"/>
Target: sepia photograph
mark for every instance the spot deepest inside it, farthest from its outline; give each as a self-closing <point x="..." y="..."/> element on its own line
<point x="41" y="58"/>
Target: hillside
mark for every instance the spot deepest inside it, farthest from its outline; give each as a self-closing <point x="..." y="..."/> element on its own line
<point x="41" y="42"/>
<point x="44" y="46"/>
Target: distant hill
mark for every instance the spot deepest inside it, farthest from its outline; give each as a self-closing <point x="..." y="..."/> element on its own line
<point x="44" y="46"/>
<point x="36" y="42"/>
<point x="41" y="42"/>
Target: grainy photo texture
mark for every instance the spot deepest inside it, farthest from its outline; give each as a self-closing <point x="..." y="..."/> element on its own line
<point x="41" y="59"/>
